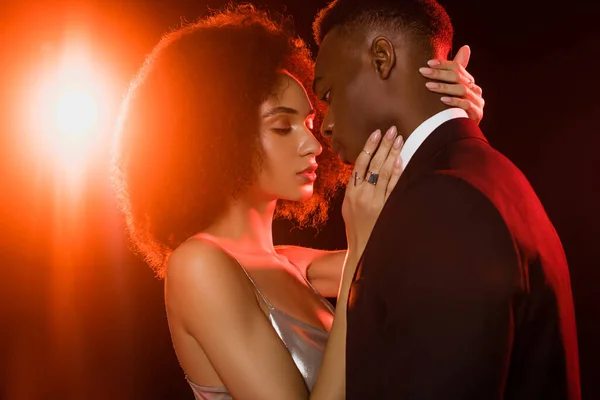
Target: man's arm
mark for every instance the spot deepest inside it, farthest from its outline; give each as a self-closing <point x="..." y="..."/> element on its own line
<point x="447" y="288"/>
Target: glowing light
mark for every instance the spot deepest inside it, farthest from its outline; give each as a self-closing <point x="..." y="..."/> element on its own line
<point x="70" y="113"/>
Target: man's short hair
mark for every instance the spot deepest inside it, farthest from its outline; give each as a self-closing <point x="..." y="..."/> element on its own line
<point x="425" y="21"/>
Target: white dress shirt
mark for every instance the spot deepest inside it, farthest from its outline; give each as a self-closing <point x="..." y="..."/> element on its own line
<point x="423" y="131"/>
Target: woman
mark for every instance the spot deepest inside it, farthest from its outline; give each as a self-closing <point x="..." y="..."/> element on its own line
<point x="216" y="128"/>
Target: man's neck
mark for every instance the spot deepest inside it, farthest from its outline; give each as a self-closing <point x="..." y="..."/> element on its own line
<point x="409" y="119"/>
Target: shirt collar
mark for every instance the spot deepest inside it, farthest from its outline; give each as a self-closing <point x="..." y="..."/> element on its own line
<point x="422" y="132"/>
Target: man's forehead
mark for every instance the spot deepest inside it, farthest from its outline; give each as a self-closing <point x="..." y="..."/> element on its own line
<point x="329" y="52"/>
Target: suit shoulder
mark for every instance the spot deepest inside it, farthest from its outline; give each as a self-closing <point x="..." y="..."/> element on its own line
<point x="442" y="197"/>
<point x="441" y="186"/>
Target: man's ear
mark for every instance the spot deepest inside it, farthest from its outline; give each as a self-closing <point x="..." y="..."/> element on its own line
<point x="383" y="56"/>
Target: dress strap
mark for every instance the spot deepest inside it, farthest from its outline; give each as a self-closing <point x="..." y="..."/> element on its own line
<point x="209" y="238"/>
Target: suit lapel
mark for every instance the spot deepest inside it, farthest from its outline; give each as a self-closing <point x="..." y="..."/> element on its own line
<point x="449" y="132"/>
<point x="422" y="161"/>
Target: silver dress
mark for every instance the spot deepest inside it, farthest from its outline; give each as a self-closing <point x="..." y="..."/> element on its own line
<point x="305" y="343"/>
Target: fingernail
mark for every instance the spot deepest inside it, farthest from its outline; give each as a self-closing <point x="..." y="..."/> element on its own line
<point x="391" y="133"/>
<point x="398" y="142"/>
<point x="446" y="99"/>
<point x="375" y="135"/>
<point x="432" y="85"/>
<point x="433" y="63"/>
<point x="426" y="71"/>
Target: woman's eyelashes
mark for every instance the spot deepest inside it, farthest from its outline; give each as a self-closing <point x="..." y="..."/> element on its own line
<point x="283" y="127"/>
<point x="282" y="131"/>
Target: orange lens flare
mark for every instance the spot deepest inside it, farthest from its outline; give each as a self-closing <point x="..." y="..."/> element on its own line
<point x="69" y="113"/>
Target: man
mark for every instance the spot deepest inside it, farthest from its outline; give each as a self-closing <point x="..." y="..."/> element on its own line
<point x="463" y="291"/>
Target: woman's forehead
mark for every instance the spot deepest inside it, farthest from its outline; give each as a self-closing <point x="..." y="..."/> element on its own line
<point x="288" y="92"/>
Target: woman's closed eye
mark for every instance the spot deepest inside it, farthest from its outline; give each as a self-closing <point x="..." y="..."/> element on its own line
<point x="281" y="129"/>
<point x="281" y="124"/>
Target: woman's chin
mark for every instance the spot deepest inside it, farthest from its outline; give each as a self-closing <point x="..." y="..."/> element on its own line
<point x="304" y="193"/>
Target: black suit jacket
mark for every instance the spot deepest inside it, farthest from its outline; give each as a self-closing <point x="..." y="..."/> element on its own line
<point x="463" y="291"/>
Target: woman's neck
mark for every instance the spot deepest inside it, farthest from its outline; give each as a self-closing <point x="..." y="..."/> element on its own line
<point x="246" y="228"/>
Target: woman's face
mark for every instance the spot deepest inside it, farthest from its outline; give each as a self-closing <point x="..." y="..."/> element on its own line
<point x="290" y="148"/>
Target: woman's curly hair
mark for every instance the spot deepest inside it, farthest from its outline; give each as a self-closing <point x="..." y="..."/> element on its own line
<point x="188" y="139"/>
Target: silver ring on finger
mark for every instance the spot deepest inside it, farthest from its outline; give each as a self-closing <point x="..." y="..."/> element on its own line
<point x="367" y="152"/>
<point x="373" y="177"/>
<point x="356" y="178"/>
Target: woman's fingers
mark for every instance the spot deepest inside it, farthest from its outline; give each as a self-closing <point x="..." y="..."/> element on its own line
<point x="364" y="158"/>
<point x="390" y="171"/>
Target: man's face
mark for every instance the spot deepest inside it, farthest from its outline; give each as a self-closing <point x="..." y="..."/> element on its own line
<point x="347" y="81"/>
